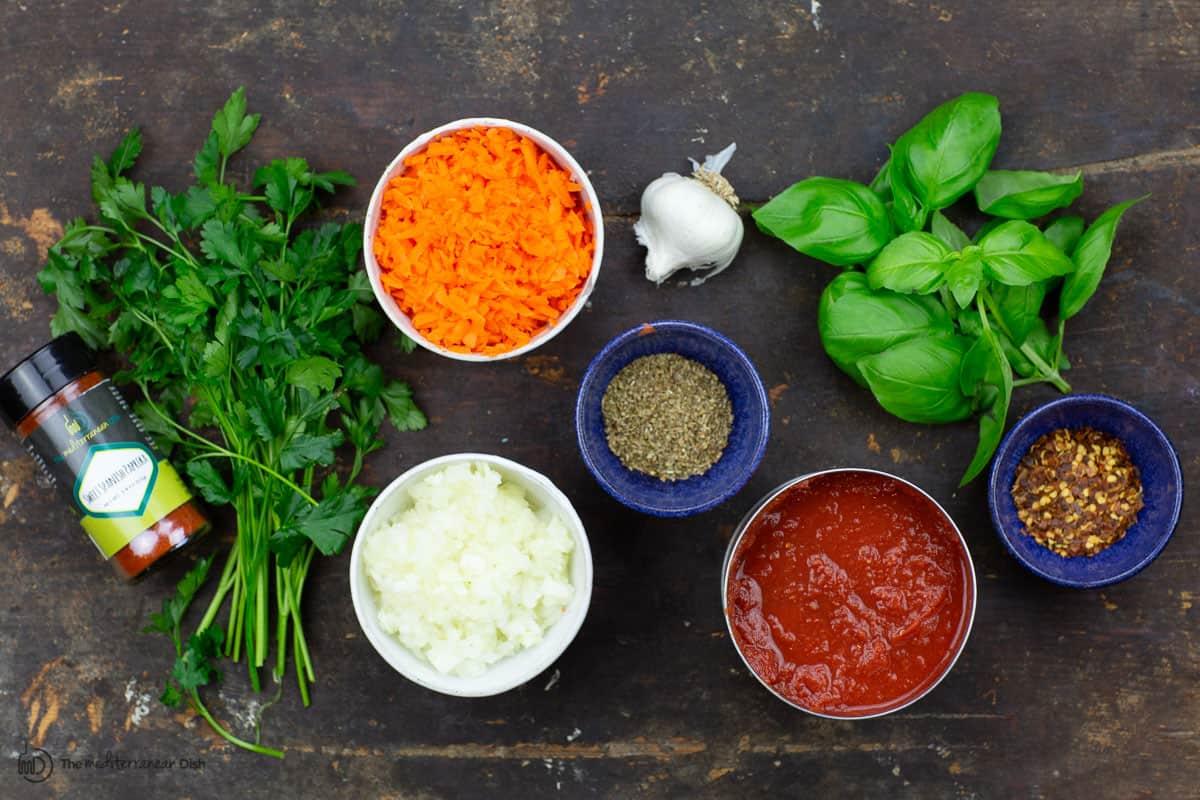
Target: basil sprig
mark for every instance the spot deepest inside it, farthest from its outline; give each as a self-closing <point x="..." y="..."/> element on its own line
<point x="938" y="325"/>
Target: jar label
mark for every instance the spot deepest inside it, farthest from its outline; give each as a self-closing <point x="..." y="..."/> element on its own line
<point x="97" y="450"/>
<point x="116" y="480"/>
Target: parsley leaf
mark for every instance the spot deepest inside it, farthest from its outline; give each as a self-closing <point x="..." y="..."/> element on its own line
<point x="232" y="126"/>
<point x="195" y="668"/>
<point x="212" y="486"/>
<point x="328" y="525"/>
<point x="313" y="373"/>
<point x="305" y="449"/>
<point x="127" y="151"/>
<point x="208" y="160"/>
<point x="401" y="408"/>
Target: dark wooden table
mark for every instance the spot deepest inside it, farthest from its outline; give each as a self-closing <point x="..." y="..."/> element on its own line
<point x="1059" y="693"/>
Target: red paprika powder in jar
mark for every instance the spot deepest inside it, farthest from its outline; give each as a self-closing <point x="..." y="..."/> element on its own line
<point x="133" y="505"/>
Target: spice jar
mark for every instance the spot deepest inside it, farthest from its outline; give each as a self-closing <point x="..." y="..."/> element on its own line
<point x="73" y="421"/>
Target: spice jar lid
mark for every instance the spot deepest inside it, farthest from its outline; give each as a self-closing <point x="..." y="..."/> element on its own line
<point x="42" y="373"/>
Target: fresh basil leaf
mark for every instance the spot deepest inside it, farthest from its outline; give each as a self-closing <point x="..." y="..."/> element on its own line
<point x="987" y="376"/>
<point x="1043" y="343"/>
<point x="912" y="263"/>
<point x="980" y="366"/>
<point x="1039" y="340"/>
<point x="947" y="152"/>
<point x="1026" y="194"/>
<point x="835" y="221"/>
<point x="1064" y="233"/>
<point x="951" y="235"/>
<point x="855" y="322"/>
<point x="1017" y="253"/>
<point x="908" y="213"/>
<point x="987" y="227"/>
<point x="917" y="380"/>
<point x="964" y="277"/>
<point x="881" y="184"/>
<point x="1091" y="258"/>
<point x="1020" y="308"/>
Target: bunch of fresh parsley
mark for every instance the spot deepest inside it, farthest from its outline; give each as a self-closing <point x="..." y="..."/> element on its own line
<point x="244" y="333"/>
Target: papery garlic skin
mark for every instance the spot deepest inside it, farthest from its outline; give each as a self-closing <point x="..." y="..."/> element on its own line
<point x="686" y="223"/>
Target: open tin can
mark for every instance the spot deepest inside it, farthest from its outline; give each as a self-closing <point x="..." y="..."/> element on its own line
<point x="880" y="632"/>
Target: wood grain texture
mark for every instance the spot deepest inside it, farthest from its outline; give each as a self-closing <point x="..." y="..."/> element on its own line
<point x="1059" y="693"/>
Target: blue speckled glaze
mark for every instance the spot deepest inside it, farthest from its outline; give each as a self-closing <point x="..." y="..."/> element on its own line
<point x="1162" y="487"/>
<point x="747" y="440"/>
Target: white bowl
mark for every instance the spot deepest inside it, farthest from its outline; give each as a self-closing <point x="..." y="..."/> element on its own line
<point x="560" y="156"/>
<point x="513" y="670"/>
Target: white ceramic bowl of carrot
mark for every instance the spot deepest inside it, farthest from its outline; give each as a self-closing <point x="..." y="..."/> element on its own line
<point x="492" y="329"/>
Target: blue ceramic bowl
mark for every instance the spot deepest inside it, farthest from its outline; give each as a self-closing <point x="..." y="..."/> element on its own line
<point x="747" y="440"/>
<point x="1162" y="490"/>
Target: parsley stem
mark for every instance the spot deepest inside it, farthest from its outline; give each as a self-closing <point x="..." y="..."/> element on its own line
<point x="164" y="247"/>
<point x="153" y="324"/>
<point x="167" y="418"/>
<point x="226" y="735"/>
<point x="282" y="616"/>
<point x="219" y="451"/>
<point x="223" y="586"/>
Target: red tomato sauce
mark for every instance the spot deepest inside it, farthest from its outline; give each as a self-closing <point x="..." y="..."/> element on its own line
<point x="850" y="594"/>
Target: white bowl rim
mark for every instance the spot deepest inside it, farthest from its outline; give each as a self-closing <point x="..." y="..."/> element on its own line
<point x="744" y="525"/>
<point x="557" y="638"/>
<point x="564" y="159"/>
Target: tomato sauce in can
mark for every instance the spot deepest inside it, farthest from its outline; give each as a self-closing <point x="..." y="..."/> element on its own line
<point x="849" y="593"/>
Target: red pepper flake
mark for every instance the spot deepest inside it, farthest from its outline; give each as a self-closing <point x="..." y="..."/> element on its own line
<point x="1077" y="491"/>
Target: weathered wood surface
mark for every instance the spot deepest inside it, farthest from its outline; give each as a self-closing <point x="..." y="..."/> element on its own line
<point x="1059" y="693"/>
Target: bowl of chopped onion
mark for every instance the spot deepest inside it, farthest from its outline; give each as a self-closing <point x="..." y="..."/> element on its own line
<point x="471" y="574"/>
<point x="483" y="239"/>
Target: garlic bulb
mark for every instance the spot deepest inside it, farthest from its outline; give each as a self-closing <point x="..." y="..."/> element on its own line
<point x="691" y="222"/>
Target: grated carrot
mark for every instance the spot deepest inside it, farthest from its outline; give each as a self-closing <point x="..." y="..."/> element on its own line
<point x="483" y="240"/>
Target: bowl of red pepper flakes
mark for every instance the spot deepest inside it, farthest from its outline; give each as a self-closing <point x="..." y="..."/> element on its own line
<point x="1085" y="491"/>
